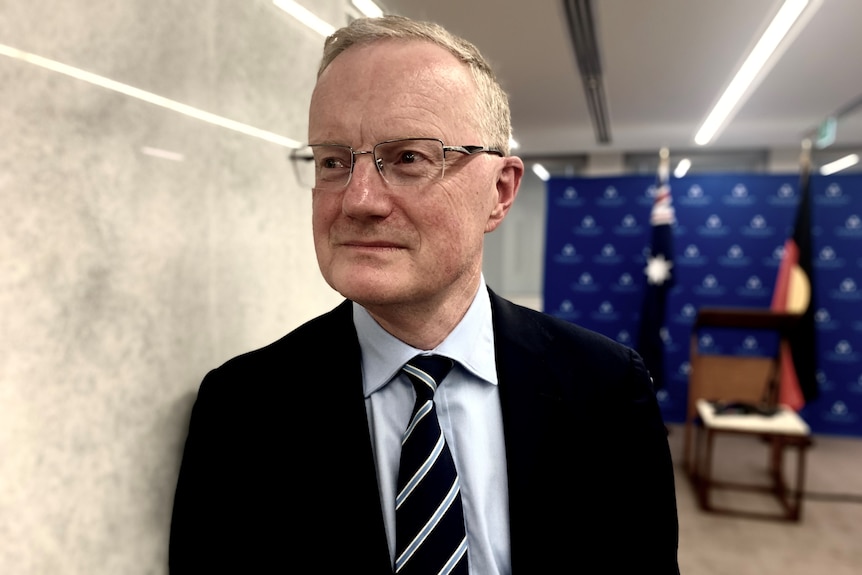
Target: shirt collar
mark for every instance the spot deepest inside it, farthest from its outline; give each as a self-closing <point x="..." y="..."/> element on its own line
<point x="471" y="344"/>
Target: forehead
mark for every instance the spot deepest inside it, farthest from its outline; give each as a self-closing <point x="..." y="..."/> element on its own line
<point x="392" y="88"/>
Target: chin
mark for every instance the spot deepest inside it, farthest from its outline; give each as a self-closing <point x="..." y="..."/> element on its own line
<point x="366" y="288"/>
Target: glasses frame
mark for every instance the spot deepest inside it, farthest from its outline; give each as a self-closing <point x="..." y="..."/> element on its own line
<point x="297" y="157"/>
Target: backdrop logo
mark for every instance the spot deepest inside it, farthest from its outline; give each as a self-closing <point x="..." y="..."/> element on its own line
<point x="856" y="386"/>
<point x="628" y="226"/>
<point x="605" y="312"/>
<point x="738" y="196"/>
<point x="681" y="373"/>
<point x="624" y="336"/>
<point x="625" y="284"/>
<point x="610" y="197"/>
<point x="758" y="228"/>
<point x="567" y="255"/>
<point x="686" y="314"/>
<point x="785" y="195"/>
<point x="834" y="196"/>
<point x="588" y="227"/>
<point x="847" y="291"/>
<point x="566" y="310"/>
<point x="713" y="227"/>
<point x="663" y="397"/>
<point x="691" y="256"/>
<point x="774" y="260"/>
<point x="828" y="259"/>
<point x="710" y="287"/>
<point x="608" y="256"/>
<point x="569" y="198"/>
<point x="735" y="257"/>
<point x="694" y="196"/>
<point x="667" y="340"/>
<point x="753" y="287"/>
<point x="839" y="413"/>
<point x="585" y="283"/>
<point x="707" y="344"/>
<point x="750" y="346"/>
<point x="824" y="320"/>
<point x="648" y="196"/>
<point x="852" y="227"/>
<point x="843" y="353"/>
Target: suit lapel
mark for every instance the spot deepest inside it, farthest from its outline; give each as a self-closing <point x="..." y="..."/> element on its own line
<point x="349" y="490"/>
<point x="533" y="410"/>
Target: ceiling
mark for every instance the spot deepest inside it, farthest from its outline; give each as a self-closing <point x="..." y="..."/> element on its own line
<point x="664" y="64"/>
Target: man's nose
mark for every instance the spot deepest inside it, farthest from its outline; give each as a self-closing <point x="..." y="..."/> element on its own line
<point x="364" y="171"/>
<point x="366" y="194"/>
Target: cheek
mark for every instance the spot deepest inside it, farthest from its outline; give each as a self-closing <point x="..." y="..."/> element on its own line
<point x="323" y="208"/>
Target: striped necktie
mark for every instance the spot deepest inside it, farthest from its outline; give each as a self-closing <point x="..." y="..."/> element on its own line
<point x="429" y="516"/>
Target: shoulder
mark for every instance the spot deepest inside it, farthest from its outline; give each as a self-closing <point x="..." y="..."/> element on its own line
<point x="280" y="367"/>
<point x="535" y="328"/>
<point x="329" y="332"/>
<point x="566" y="354"/>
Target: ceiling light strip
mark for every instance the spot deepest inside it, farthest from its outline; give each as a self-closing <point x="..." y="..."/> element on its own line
<point x="368" y="8"/>
<point x="751" y="68"/>
<point x="148" y="97"/>
<point x="839" y="164"/>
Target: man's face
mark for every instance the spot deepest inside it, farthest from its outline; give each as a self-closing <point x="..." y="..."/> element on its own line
<point x="379" y="244"/>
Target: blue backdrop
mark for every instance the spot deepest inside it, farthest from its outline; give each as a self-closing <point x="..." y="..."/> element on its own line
<point x="728" y="240"/>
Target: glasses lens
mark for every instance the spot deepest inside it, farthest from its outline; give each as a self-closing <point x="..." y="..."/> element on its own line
<point x="331" y="165"/>
<point x="410" y="162"/>
<point x="303" y="166"/>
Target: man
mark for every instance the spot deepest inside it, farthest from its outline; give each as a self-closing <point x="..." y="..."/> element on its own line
<point x="292" y="459"/>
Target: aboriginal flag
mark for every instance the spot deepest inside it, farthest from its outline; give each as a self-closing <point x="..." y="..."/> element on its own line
<point x="794" y="293"/>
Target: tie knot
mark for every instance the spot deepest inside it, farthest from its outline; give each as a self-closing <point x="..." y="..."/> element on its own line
<point x="426" y="372"/>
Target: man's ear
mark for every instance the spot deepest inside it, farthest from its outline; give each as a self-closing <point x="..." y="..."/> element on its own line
<point x="508" y="183"/>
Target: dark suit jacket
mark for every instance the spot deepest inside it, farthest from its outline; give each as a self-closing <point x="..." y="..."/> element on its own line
<point x="278" y="475"/>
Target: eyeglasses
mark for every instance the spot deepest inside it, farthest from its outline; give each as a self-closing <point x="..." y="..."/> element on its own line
<point x="402" y="162"/>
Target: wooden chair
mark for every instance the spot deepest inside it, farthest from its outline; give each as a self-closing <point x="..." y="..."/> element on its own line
<point x="745" y="381"/>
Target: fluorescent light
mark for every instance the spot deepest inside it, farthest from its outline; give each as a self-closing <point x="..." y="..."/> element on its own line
<point x="514" y="144"/>
<point x="306" y="17"/>
<point x="368" y="8"/>
<point x="148" y="97"/>
<point x="780" y="26"/>
<point x="163" y="154"/>
<point x="540" y="171"/>
<point x="839" y="164"/>
<point x="682" y="168"/>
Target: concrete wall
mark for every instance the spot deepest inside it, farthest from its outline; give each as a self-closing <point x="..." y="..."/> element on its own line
<point x="126" y="276"/>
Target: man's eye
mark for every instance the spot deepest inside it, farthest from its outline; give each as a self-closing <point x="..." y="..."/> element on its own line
<point x="332" y="163"/>
<point x="410" y="157"/>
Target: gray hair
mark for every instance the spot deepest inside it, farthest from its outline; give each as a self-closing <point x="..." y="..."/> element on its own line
<point x="495" y="121"/>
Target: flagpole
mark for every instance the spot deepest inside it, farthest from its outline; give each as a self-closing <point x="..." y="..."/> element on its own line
<point x="659" y="275"/>
<point x="805" y="163"/>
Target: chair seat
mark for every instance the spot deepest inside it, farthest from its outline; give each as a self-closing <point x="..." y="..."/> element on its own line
<point x="785" y="421"/>
<point x="784" y="429"/>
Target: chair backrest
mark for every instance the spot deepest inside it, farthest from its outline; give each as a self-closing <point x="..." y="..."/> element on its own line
<point x="745" y="379"/>
<point x="729" y="377"/>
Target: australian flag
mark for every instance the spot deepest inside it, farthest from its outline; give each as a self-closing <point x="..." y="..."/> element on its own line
<point x="659" y="275"/>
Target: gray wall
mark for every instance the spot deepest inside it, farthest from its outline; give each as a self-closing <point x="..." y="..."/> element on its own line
<point x="125" y="277"/>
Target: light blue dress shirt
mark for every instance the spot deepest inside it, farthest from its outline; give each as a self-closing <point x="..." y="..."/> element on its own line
<point x="468" y="406"/>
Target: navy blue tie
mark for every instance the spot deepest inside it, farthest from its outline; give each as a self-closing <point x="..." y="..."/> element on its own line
<point x="429" y="516"/>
